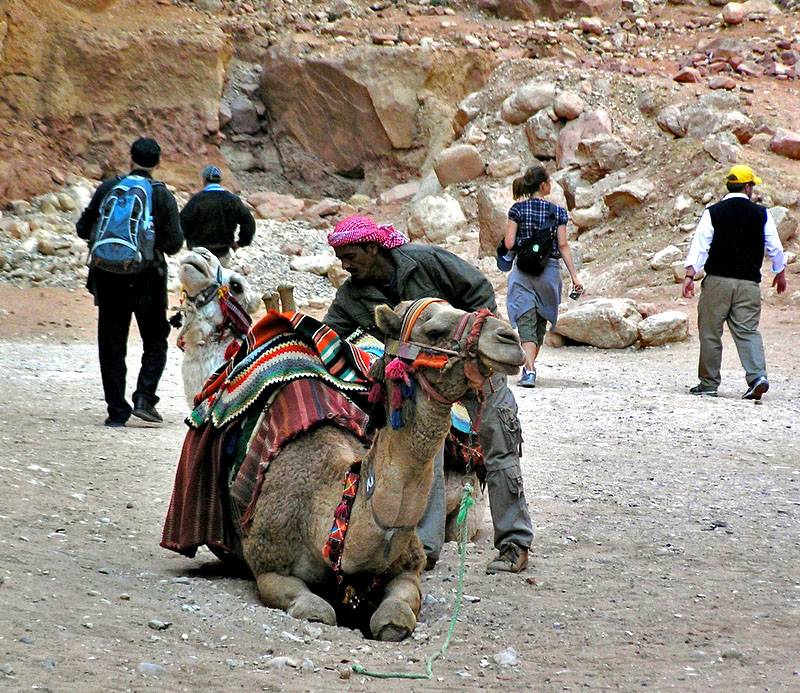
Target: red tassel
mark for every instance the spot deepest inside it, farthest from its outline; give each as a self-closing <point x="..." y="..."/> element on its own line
<point x="230" y="352"/>
<point x="397" y="370"/>
<point x="397" y="397"/>
<point x="341" y="511"/>
<point x="375" y="394"/>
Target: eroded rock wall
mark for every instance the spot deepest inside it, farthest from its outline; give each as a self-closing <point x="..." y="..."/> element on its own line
<point x="80" y="79"/>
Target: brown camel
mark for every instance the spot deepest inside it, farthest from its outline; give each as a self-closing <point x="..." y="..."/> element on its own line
<point x="303" y="486"/>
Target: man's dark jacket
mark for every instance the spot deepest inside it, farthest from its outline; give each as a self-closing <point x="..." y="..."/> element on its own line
<point x="210" y="218"/>
<point x="422" y="271"/>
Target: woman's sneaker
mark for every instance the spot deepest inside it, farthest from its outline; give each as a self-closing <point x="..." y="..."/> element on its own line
<point x="528" y="378"/>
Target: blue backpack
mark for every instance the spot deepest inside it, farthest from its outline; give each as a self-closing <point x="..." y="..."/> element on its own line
<point x="123" y="239"/>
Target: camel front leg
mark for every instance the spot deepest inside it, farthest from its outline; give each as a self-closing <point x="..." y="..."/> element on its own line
<point x="396" y="617"/>
<point x="292" y="595"/>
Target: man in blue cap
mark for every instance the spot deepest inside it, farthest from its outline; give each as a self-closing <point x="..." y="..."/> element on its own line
<point x="211" y="217"/>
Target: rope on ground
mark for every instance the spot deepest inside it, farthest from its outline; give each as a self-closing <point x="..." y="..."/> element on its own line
<point x="467" y="500"/>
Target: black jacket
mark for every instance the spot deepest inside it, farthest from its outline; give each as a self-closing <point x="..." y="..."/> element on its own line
<point x="210" y="218"/>
<point x="166" y="220"/>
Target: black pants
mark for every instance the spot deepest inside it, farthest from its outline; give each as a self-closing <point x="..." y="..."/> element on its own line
<point x="118" y="297"/>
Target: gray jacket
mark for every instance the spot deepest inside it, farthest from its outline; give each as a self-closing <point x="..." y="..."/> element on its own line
<point x="421" y="271"/>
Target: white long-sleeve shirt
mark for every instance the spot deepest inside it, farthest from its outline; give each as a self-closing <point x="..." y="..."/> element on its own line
<point x="704" y="233"/>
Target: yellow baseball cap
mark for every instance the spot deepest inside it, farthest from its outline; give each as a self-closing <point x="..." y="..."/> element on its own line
<point x="742" y="174"/>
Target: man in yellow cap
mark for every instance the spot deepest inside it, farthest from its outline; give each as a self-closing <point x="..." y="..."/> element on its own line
<point x="729" y="243"/>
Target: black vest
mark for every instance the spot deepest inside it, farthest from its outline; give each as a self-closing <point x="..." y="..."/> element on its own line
<point x="737" y="249"/>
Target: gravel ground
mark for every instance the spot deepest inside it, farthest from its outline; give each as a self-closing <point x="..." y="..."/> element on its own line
<point x="665" y="554"/>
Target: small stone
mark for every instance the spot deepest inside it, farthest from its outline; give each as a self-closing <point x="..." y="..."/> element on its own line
<point x="150" y="669"/>
<point x="7" y="669"/>
<point x="506" y="658"/>
<point x="155" y="624"/>
<point x="125" y="597"/>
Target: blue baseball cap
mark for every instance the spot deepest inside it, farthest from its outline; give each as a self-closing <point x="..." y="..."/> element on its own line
<point x="212" y="174"/>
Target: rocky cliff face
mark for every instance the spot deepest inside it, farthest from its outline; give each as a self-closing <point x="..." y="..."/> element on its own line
<point x="80" y="79"/>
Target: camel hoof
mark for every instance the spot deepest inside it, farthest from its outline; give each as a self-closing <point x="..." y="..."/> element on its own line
<point x="392" y="633"/>
<point x="310" y="607"/>
<point x="393" y="621"/>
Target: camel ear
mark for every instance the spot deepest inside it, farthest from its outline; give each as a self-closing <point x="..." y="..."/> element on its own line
<point x="387" y="320"/>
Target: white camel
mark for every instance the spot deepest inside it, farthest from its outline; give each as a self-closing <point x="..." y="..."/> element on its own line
<point x="208" y="326"/>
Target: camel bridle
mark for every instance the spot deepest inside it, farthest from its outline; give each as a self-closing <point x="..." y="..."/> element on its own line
<point x="463" y="347"/>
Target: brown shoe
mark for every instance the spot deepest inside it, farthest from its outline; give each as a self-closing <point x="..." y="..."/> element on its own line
<point x="512" y="559"/>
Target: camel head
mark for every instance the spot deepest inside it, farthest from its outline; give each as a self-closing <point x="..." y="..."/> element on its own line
<point x="200" y="271"/>
<point x="473" y="345"/>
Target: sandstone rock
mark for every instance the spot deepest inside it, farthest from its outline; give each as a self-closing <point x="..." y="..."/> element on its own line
<point x="457" y="164"/>
<point x="661" y="328"/>
<point x="507" y="166"/>
<point x="589" y="216"/>
<point x="467" y="111"/>
<point x="762" y="7"/>
<point x="316" y="264"/>
<point x="526" y="101"/>
<point x="324" y="208"/>
<point x="785" y="143"/>
<point x="722" y="147"/>
<point x="244" y="117"/>
<point x="683" y="204"/>
<point x="274" y="205"/>
<point x="786" y="222"/>
<point x="721" y="82"/>
<point x="733" y="13"/>
<point x="628" y="196"/>
<point x="399" y="193"/>
<point x="587" y="125"/>
<point x="608" y="323"/>
<point x="531" y="10"/>
<point x="434" y="218"/>
<point x="678" y="271"/>
<point x="493" y="205"/>
<point x="715" y="112"/>
<point x="687" y="74"/>
<point x="568" y="105"/>
<point x="599" y="155"/>
<point x="665" y="257"/>
<point x="591" y="25"/>
<point x="542" y="135"/>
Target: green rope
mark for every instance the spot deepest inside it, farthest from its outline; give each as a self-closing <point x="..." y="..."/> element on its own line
<point x="467" y="500"/>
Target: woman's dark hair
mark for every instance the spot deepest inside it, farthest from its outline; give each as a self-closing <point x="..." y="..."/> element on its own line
<point x="529" y="183"/>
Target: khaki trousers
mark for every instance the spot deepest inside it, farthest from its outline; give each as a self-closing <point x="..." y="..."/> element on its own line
<point x="738" y="303"/>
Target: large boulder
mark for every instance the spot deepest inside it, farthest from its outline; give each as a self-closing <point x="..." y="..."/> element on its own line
<point x="317" y="99"/>
<point x="628" y="197"/>
<point x="601" y="154"/>
<point x="434" y="218"/>
<point x="661" y="328"/>
<point x="493" y="206"/>
<point x="608" y="323"/>
<point x="712" y="113"/>
<point x="589" y="124"/>
<point x="527" y="100"/>
<point x="785" y="143"/>
<point x="785" y="221"/>
<point x="457" y="164"/>
<point x="541" y="130"/>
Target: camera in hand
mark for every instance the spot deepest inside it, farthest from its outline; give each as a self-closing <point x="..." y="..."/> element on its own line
<point x="575" y="294"/>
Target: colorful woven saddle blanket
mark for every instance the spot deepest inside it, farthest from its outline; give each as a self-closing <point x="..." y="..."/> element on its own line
<point x="280" y="348"/>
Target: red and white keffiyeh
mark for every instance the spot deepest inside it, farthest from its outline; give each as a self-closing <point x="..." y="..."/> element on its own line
<point x="357" y="229"/>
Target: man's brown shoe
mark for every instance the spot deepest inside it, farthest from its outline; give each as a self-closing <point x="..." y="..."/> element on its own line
<point x="512" y="559"/>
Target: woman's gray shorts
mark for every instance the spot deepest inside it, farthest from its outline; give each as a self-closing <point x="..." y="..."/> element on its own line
<point x="531" y="327"/>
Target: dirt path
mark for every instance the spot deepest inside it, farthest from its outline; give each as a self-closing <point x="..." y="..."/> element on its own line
<point x="666" y="549"/>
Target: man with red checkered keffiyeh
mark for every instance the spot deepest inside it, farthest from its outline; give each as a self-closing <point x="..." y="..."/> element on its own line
<point x="385" y="268"/>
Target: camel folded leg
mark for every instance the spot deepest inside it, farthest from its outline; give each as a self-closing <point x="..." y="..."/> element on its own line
<point x="396" y="617"/>
<point x="292" y="595"/>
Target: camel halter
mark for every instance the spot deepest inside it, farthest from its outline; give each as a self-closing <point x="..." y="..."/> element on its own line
<point x="423" y="355"/>
<point x="204" y="297"/>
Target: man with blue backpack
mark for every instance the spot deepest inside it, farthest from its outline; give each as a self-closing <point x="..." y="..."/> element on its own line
<point x="130" y="222"/>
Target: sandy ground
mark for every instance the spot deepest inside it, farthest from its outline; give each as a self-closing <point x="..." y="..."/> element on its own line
<point x="666" y="549"/>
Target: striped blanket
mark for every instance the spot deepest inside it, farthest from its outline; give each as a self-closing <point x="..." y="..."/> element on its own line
<point x="203" y="508"/>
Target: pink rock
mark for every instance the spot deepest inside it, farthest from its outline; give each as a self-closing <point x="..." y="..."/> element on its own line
<point x="575" y="131"/>
<point x="568" y="105"/>
<point x="733" y="13"/>
<point x="687" y="74"/>
<point x="276" y="206"/>
<point x="721" y="82"/>
<point x="785" y="143"/>
<point x="458" y="164"/>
